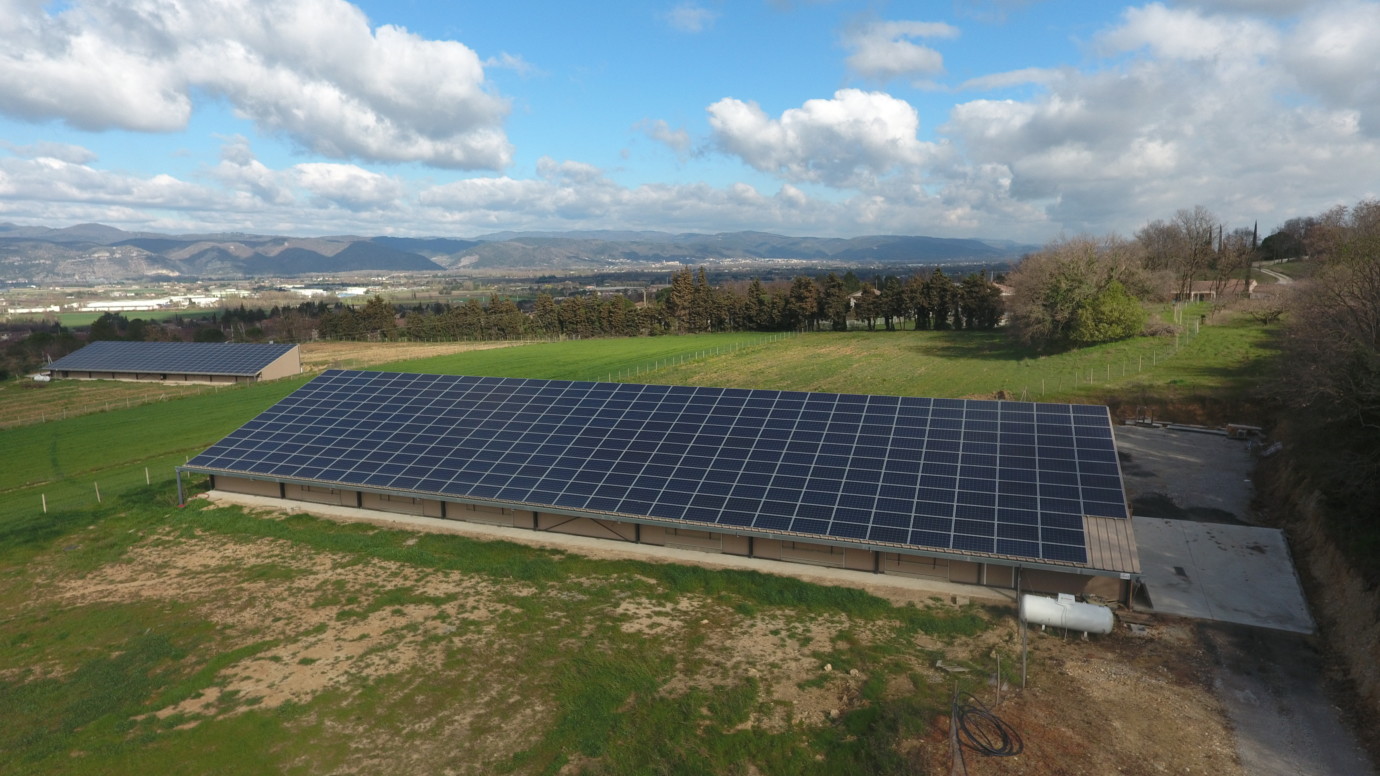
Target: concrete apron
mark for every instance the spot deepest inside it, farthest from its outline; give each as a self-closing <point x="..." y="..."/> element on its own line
<point x="1227" y="573"/>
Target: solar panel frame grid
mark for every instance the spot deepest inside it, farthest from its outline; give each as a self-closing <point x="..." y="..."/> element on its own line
<point x="968" y="476"/>
<point x="204" y="358"/>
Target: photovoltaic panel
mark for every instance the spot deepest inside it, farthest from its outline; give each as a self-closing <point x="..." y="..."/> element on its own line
<point x="963" y="475"/>
<point x="207" y="358"/>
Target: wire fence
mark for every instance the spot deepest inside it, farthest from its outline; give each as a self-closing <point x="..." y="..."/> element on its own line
<point x="649" y="366"/>
<point x="16" y="416"/>
<point x="95" y="489"/>
<point x="1108" y="370"/>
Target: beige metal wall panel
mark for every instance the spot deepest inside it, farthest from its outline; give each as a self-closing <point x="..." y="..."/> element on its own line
<point x="814" y="554"/>
<point x="694" y="539"/>
<point x="653" y="534"/>
<point x="242" y="485"/>
<point x="1037" y="581"/>
<point x="766" y="548"/>
<point x="914" y="566"/>
<point x="321" y="495"/>
<point x="478" y="514"/>
<point x="963" y="571"/>
<point x="405" y="505"/>
<point x="860" y="560"/>
<point x="1000" y="576"/>
<point x="734" y="545"/>
<point x="286" y="365"/>
<point x="583" y="526"/>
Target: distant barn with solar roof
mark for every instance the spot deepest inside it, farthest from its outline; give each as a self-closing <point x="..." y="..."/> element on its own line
<point x="1020" y="495"/>
<point x="178" y="362"/>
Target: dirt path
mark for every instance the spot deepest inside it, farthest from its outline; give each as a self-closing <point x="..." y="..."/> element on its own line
<point x="1273" y="686"/>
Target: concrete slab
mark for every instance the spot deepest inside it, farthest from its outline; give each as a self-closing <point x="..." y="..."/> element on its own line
<point x="1216" y="571"/>
<point x="1186" y="474"/>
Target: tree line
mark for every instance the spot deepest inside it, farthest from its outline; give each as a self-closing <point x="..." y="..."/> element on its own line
<point x="1328" y="377"/>
<point x="690" y="305"/>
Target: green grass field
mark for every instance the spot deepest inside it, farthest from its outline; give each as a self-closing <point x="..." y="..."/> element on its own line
<point x="560" y="678"/>
<point x="86" y="319"/>
<point x="68" y="459"/>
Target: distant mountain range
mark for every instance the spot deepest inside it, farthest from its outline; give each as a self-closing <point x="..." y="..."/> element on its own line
<point x="97" y="253"/>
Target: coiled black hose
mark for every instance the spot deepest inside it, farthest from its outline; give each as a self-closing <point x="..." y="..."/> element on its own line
<point x="982" y="731"/>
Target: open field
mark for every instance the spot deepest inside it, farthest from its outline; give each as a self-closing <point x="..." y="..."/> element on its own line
<point x="67" y="458"/>
<point x="87" y="318"/>
<point x="138" y="637"/>
<point x="141" y="638"/>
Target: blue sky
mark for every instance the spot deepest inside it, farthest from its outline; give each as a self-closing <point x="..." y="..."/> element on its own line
<point x="1013" y="119"/>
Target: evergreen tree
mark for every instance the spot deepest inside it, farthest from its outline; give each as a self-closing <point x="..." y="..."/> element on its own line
<point x="379" y="319"/>
<point x="869" y="306"/>
<point x="802" y="305"/>
<point x="942" y="298"/>
<point x="755" y="313"/>
<point x="833" y="303"/>
<point x="680" y="301"/>
<point x="892" y="301"/>
<point x="545" y="318"/>
<point x="917" y="300"/>
<point x="980" y="302"/>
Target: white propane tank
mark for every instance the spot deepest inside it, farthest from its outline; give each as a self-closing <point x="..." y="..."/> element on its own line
<point x="1064" y="612"/>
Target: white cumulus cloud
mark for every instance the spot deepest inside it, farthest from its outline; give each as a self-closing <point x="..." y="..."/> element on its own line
<point x="312" y="70"/>
<point x="845" y="142"/>
<point x="1193" y="106"/>
<point x="886" y="50"/>
<point x="677" y="140"/>
<point x="348" y="186"/>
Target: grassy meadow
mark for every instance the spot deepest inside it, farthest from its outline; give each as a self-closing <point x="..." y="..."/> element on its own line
<point x="139" y="637"/>
<point x="66" y="460"/>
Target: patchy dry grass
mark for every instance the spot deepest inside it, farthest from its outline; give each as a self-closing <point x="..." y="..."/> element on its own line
<point x="212" y="641"/>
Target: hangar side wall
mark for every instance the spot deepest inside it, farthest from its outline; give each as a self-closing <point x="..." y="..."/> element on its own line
<point x="811" y="553"/>
<point x="286" y="365"/>
<point x="154" y="377"/>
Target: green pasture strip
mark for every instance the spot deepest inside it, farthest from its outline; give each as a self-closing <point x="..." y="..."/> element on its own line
<point x="88" y="445"/>
<point x="1223" y="355"/>
<point x="1227" y="354"/>
<point x="87" y="318"/>
<point x="1297" y="270"/>
<point x="24" y="402"/>
<point x="592" y="359"/>
<point x="78" y="493"/>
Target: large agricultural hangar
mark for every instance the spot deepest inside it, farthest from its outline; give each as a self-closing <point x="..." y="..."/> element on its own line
<point x="178" y="362"/>
<point x="1008" y="494"/>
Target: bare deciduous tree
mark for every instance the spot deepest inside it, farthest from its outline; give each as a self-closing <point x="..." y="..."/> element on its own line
<point x="1332" y="361"/>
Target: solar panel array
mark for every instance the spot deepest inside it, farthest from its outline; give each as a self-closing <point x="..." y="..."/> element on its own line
<point x="1010" y="478"/>
<point x="203" y="358"/>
